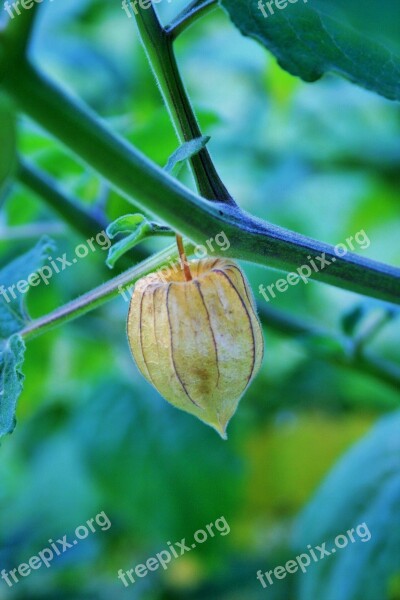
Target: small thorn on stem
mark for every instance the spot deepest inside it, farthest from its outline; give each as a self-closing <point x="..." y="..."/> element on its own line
<point x="184" y="260"/>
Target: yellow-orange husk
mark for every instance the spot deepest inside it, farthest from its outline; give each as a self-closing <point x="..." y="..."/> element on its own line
<point x="198" y="342"/>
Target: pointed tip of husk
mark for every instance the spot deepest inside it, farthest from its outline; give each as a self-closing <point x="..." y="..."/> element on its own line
<point x="221" y="433"/>
<point x="221" y="429"/>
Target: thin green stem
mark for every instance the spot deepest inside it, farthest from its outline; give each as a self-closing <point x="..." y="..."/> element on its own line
<point x="168" y="200"/>
<point x="95" y="298"/>
<point x="86" y="222"/>
<point x="341" y="352"/>
<point x="32" y="231"/>
<point x="191" y="13"/>
<point x="72" y="211"/>
<point x="159" y="50"/>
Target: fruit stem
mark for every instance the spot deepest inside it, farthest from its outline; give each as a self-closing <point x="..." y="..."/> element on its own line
<point x="184" y="260"/>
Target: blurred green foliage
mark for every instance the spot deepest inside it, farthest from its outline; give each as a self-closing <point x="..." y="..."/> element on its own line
<point x="365" y="499"/>
<point x="321" y="159"/>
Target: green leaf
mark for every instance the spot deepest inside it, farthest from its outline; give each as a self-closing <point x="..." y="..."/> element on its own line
<point x="13" y="317"/>
<point x="358" y="40"/>
<point x="184" y="152"/>
<point x="11" y="381"/>
<point x="352" y="318"/>
<point x="138" y="227"/>
<point x="8" y="141"/>
<point x="125" y="224"/>
<point x="364" y="488"/>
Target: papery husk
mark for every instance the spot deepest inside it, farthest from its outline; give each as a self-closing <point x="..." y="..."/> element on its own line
<point x="198" y="342"/>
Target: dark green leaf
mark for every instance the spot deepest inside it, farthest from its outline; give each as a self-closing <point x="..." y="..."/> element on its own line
<point x="359" y="40"/>
<point x="364" y="488"/>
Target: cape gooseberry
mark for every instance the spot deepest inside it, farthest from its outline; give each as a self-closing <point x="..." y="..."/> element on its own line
<point x="195" y="336"/>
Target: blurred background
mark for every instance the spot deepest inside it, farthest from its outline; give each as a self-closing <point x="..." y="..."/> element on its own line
<point x="322" y="159"/>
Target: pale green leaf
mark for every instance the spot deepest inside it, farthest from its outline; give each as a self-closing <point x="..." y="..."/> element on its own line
<point x="11" y="380"/>
<point x="184" y="152"/>
<point x="138" y="227"/>
<point x="13" y="318"/>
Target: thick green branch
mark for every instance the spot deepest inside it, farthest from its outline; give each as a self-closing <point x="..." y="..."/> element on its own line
<point x="159" y="194"/>
<point x="17" y="35"/>
<point x="158" y="46"/>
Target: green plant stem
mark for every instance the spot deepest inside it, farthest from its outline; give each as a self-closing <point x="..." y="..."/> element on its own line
<point x="83" y="221"/>
<point x="190" y="14"/>
<point x="95" y="298"/>
<point x="72" y="211"/>
<point x="343" y="352"/>
<point x="166" y="199"/>
<point x="159" y="50"/>
<point x="18" y="33"/>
